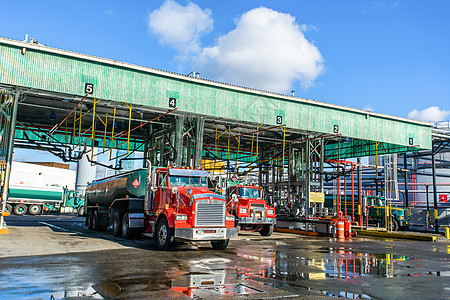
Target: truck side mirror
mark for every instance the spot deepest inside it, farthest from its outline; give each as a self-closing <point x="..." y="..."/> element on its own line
<point x="153" y="189"/>
<point x="234" y="197"/>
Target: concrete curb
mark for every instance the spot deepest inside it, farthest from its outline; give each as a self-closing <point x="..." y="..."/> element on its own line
<point x="397" y="235"/>
<point x="295" y="231"/>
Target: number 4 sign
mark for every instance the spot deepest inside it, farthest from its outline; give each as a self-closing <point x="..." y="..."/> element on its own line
<point x="173" y="102"/>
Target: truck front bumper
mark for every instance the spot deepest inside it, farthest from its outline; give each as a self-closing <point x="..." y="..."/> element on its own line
<point x="205" y="234"/>
<point x="261" y="221"/>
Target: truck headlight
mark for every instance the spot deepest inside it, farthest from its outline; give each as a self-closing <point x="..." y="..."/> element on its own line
<point x="270" y="212"/>
<point x="230" y="218"/>
<point x="242" y="210"/>
<point x="181" y="217"/>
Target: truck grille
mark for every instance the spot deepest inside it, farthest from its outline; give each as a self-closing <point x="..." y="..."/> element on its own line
<point x="210" y="215"/>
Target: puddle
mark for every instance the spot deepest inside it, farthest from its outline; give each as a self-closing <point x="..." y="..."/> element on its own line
<point x="210" y="285"/>
<point x="345" y="295"/>
<point x="339" y="263"/>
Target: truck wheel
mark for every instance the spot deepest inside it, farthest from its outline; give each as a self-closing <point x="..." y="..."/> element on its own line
<point x="117" y="224"/>
<point x="81" y="211"/>
<point x="89" y="219"/>
<point x="394" y="225"/>
<point x="164" y="236"/>
<point x="95" y="222"/>
<point x="220" y="245"/>
<point x="9" y="207"/>
<point x="127" y="232"/>
<point x="34" y="209"/>
<point x="20" y="209"/>
<point x="266" y="230"/>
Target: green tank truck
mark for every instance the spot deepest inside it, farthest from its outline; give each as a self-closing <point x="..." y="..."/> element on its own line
<point x="35" y="200"/>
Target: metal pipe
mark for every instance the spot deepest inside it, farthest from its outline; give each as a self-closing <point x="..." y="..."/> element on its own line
<point x="148" y="183"/>
<point x="436" y="225"/>
<point x="428" y="209"/>
<point x="405" y="167"/>
<point x="60" y="123"/>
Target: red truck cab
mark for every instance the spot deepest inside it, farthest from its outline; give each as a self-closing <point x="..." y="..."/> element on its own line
<point x="251" y="211"/>
<point x="180" y="205"/>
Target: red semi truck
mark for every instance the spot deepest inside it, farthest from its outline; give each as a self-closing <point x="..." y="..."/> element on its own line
<point x="166" y="204"/>
<point x="251" y="211"/>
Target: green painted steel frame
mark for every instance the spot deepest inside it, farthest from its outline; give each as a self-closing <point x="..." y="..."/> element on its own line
<point x="66" y="72"/>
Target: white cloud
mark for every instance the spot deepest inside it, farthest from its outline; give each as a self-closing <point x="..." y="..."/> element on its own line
<point x="368" y="107"/>
<point x="108" y="12"/>
<point x="430" y="114"/>
<point x="267" y="50"/>
<point x="180" y="26"/>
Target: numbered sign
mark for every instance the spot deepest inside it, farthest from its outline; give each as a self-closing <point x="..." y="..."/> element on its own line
<point x="411" y="141"/>
<point x="89" y="88"/>
<point x="335" y="128"/>
<point x="172" y="102"/>
<point x="279" y="120"/>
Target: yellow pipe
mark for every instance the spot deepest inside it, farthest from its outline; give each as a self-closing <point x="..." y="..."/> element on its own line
<point x="112" y="134"/>
<point x="79" y="126"/>
<point x="257" y="139"/>
<point x="93" y="127"/>
<point x="74" y="128"/>
<point x="215" y="143"/>
<point x="228" y="149"/>
<point x="129" y="126"/>
<point x="104" y="136"/>
<point x="251" y="151"/>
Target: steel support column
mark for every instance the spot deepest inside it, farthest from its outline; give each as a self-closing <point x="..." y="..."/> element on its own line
<point x="199" y="130"/>
<point x="179" y="130"/>
<point x="9" y="155"/>
<point x="307" y="178"/>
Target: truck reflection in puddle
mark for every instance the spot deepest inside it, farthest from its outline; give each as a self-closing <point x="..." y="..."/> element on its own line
<point x="208" y="278"/>
<point x="210" y="285"/>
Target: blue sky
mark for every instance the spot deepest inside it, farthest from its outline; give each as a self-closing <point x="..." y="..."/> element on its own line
<point x="387" y="56"/>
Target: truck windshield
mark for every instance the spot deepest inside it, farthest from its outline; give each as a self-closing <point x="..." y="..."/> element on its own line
<point x="187" y="181"/>
<point x="249" y="193"/>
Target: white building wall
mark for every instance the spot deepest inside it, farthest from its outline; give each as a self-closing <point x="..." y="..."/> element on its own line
<point x="41" y="176"/>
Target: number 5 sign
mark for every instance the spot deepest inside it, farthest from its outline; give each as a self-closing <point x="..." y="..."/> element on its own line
<point x="89" y="88"/>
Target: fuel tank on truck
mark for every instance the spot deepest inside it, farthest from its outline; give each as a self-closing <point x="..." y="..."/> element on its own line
<point x="104" y="191"/>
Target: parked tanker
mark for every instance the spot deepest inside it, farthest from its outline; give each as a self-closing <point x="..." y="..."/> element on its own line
<point x="23" y="199"/>
<point x="165" y="204"/>
<point x="251" y="211"/>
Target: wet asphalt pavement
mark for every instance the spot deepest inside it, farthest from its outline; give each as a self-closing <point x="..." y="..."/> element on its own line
<point x="56" y="256"/>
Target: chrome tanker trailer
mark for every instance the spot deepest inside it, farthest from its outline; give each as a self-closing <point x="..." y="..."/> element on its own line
<point x="165" y="204"/>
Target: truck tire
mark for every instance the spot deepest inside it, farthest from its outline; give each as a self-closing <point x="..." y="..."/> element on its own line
<point x="34" y="209"/>
<point x="127" y="232"/>
<point x="9" y="208"/>
<point x="89" y="220"/>
<point x="220" y="245"/>
<point x="95" y="222"/>
<point x="117" y="224"/>
<point x="164" y="236"/>
<point x="20" y="209"/>
<point x="266" y="230"/>
<point x="394" y="225"/>
<point x="80" y="211"/>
